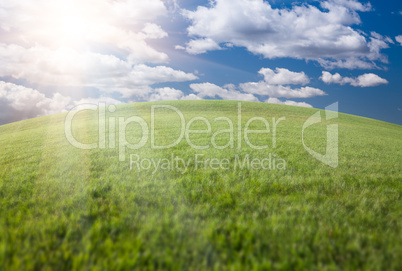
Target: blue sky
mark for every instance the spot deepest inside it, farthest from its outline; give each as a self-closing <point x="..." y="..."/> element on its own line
<point x="58" y="54"/>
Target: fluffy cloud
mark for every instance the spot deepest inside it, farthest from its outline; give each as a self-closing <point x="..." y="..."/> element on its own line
<point x="154" y="31"/>
<point x="305" y="31"/>
<point x="208" y="90"/>
<point x="284" y="77"/>
<point x="399" y="39"/>
<point x="275" y="85"/>
<point x="68" y="67"/>
<point x="31" y="103"/>
<point x="52" y="24"/>
<point x="71" y="43"/>
<point x="18" y="102"/>
<point x="273" y="91"/>
<point x="201" y="46"/>
<point x="365" y="80"/>
<point x="288" y="102"/>
<point x="136" y="82"/>
<point x="166" y="94"/>
<point x="191" y="96"/>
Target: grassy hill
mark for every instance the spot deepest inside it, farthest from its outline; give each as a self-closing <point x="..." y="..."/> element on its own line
<point x="65" y="208"/>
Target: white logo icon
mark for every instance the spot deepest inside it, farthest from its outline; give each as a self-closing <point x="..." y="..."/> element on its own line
<point x="330" y="158"/>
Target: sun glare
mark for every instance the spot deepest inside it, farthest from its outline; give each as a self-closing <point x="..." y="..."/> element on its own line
<point x="73" y="29"/>
<point x="70" y="23"/>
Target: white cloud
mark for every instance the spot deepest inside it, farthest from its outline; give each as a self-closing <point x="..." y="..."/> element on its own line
<point x="154" y="31"/>
<point x="191" y="96"/>
<point x="274" y="84"/>
<point x="208" y="90"/>
<point x="271" y="87"/>
<point x="179" y="47"/>
<point x="288" y="102"/>
<point x="369" y="80"/>
<point x="350" y="63"/>
<point x="274" y="91"/>
<point x="303" y="32"/>
<point x="365" y="80"/>
<point x="381" y="37"/>
<point x="201" y="46"/>
<point x="145" y="75"/>
<point x="284" y="77"/>
<point x="137" y="81"/>
<point x="157" y="94"/>
<point x="18" y="102"/>
<point x="166" y="94"/>
<point x="68" y="67"/>
<point x="399" y="39"/>
<point x="74" y="23"/>
<point x="71" y="43"/>
<point x="91" y="102"/>
<point x="351" y="4"/>
<point x="336" y="78"/>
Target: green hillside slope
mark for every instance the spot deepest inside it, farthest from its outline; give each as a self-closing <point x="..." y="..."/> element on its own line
<point x="114" y="208"/>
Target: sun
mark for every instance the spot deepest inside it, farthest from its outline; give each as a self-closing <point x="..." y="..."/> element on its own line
<point x="75" y="29"/>
<point x="70" y="22"/>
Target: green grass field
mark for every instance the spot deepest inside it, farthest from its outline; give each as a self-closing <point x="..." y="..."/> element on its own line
<point x="64" y="208"/>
